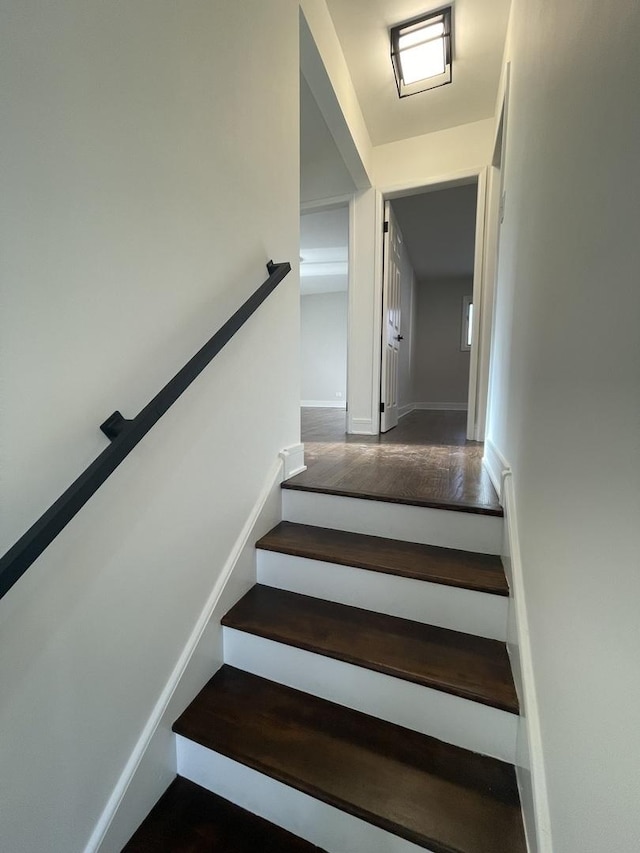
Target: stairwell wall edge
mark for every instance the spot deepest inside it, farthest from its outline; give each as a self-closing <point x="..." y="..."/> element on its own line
<point x="530" y="769"/>
<point x="153" y="763"/>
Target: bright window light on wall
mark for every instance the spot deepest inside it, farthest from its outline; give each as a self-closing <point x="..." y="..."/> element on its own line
<point x="467" y="323"/>
<point x="421" y="53"/>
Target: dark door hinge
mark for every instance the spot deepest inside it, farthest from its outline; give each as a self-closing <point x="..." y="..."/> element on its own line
<point x="386" y="227"/>
<point x="381" y="408"/>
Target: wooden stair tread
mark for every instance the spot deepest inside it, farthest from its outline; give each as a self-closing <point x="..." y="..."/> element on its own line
<point x="468" y="666"/>
<point x="437" y="795"/>
<point x="307" y="482"/>
<point x="481" y="572"/>
<point x="190" y="819"/>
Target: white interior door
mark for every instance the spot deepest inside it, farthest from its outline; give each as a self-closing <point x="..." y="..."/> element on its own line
<point x="390" y="321"/>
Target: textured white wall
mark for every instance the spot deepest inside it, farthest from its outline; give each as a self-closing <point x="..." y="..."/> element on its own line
<point x="565" y="406"/>
<point x="323" y="332"/>
<point x="441" y="368"/>
<point x="151" y="170"/>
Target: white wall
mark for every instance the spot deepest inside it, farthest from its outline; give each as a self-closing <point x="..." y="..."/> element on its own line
<point x="420" y="160"/>
<point x="326" y="71"/>
<point x="441" y="368"/>
<point x="323" y="173"/>
<point x="565" y="406"/>
<point x="323" y="332"/>
<point x="150" y="172"/>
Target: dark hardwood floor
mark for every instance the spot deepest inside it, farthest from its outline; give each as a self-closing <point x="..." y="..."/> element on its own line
<point x="425" y="460"/>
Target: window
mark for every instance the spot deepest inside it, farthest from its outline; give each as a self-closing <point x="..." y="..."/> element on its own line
<point x="467" y="323"/>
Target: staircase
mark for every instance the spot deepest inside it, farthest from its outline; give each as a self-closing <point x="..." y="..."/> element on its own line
<point x="366" y="703"/>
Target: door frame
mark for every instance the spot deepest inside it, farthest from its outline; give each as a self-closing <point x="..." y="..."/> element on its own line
<point x="318" y="206"/>
<point x="482" y="296"/>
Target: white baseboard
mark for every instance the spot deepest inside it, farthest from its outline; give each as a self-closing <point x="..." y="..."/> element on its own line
<point x="495" y="463"/>
<point x="406" y="410"/>
<point x="324" y="404"/>
<point x="530" y="769"/>
<point x="441" y="407"/>
<point x="292" y="461"/>
<point x="142" y="781"/>
<point x="361" y="426"/>
<point x="465" y="531"/>
<point x="466" y="610"/>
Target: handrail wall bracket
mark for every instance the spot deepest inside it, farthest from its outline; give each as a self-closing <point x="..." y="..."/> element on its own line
<point x="115" y="425"/>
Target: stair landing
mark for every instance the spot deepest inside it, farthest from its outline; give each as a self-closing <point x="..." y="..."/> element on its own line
<point x="424" y="461"/>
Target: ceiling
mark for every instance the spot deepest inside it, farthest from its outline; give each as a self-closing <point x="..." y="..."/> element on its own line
<point x="324" y="239"/>
<point x="439" y="231"/>
<point x="479" y="32"/>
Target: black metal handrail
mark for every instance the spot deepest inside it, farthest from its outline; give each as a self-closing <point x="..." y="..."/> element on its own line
<point x="124" y="435"/>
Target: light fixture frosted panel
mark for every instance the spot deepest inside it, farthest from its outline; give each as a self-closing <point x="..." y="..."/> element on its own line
<point x="421" y="53"/>
<point x="422" y="61"/>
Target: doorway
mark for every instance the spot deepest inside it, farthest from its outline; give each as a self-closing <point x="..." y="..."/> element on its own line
<point x="431" y="292"/>
<point x="324" y="267"/>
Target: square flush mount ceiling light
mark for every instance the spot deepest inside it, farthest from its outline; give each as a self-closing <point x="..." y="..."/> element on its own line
<point x="421" y="53"/>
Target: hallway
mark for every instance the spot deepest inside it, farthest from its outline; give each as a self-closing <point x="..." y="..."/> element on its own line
<point x="426" y="461"/>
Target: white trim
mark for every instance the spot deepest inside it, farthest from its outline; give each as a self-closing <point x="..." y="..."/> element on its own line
<point x="351" y="254"/>
<point x="326" y="826"/>
<point x="321" y="204"/>
<point x="480" y="613"/>
<point x="440" y="182"/>
<point x="462" y="722"/>
<point x="496" y="465"/>
<point x="406" y="410"/>
<point x="440" y="407"/>
<point x="153" y="722"/>
<point x="376" y="346"/>
<point x="466" y="531"/>
<point x="478" y="284"/>
<point x="292" y="461"/>
<point x="324" y="404"/>
<point x="362" y="426"/>
<point x="530" y="770"/>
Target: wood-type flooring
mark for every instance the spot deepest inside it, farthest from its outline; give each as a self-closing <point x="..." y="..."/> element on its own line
<point x="425" y="461"/>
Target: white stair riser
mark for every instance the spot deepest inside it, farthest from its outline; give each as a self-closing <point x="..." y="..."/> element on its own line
<point x="478" y="613"/>
<point x="449" y="718"/>
<point x="465" y="531"/>
<point x="319" y="823"/>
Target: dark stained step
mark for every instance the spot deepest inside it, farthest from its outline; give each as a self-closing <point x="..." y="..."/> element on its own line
<point x="190" y="819"/>
<point x="436" y="795"/>
<point x="468" y="666"/>
<point x="481" y="572"/>
<point x="306" y="482"/>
